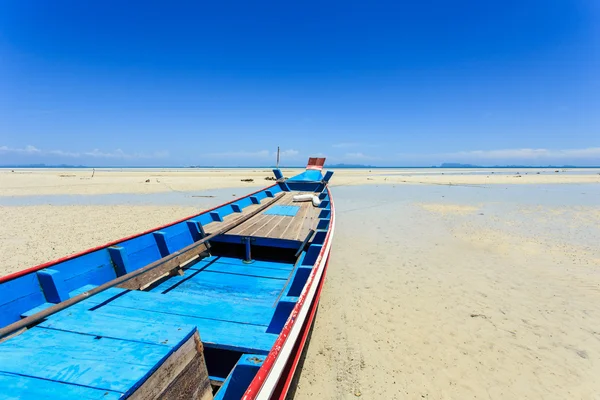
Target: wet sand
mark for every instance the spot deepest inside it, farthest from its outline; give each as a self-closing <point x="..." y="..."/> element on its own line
<point x="433" y="291"/>
<point x="458" y="295"/>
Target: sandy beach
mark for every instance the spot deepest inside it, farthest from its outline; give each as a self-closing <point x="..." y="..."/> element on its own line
<point x="36" y="182"/>
<point x="443" y="284"/>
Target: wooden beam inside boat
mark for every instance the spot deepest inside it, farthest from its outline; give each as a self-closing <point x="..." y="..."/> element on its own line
<point x="181" y="255"/>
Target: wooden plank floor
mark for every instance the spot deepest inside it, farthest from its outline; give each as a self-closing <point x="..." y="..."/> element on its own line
<point x="275" y="226"/>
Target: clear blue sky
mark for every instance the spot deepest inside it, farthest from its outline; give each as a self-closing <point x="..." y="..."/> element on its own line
<point x="225" y="83"/>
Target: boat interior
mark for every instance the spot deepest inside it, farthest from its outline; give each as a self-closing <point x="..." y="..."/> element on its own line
<point x="235" y="294"/>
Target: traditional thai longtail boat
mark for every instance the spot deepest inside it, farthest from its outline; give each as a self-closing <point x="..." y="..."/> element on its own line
<point x="217" y="305"/>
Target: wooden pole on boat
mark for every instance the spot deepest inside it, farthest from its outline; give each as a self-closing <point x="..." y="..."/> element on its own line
<point x="175" y="259"/>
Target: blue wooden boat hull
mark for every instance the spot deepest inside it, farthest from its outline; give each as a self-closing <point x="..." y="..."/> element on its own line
<point x="248" y="304"/>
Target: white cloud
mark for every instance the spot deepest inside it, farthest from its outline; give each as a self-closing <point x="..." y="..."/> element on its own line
<point x="241" y="154"/>
<point x="289" y="153"/>
<point x="116" y="154"/>
<point x="345" y="145"/>
<point x="521" y="154"/>
<point x="25" y="150"/>
<point x="259" y="154"/>
<point x="359" y="156"/>
<point x="63" y="153"/>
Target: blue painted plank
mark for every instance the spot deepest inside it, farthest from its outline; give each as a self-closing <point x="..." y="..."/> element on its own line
<point x="178" y="236"/>
<point x="17" y="387"/>
<point x="307" y="176"/>
<point x="85" y="304"/>
<point x="140" y="251"/>
<point x="19" y="287"/>
<point x="119" y="258"/>
<point x="93" y="323"/>
<point x="204" y="219"/>
<point x="53" y="285"/>
<point x="103" y="363"/>
<point x="312" y="253"/>
<point x="213" y="333"/>
<point x="37" y="309"/>
<point x="246" y="287"/>
<point x="161" y="241"/>
<point x="299" y="281"/>
<point x="304" y="186"/>
<point x="259" y="241"/>
<point x="286" y="211"/>
<point x="238" y="381"/>
<point x="19" y="295"/>
<point x="207" y="283"/>
<point x="282" y="312"/>
<point x="249" y="270"/>
<point x="278" y="174"/>
<point x="243" y="203"/>
<point x="197" y="305"/>
<point x="323" y="224"/>
<point x="80" y="290"/>
<point x="195" y="227"/>
<point x="92" y="268"/>
<point x="237" y="261"/>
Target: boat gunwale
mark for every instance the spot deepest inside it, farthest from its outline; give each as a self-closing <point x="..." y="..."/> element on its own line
<point x="47" y="264"/>
<point x="257" y="386"/>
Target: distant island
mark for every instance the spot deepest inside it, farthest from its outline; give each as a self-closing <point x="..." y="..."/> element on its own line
<point x="458" y="165"/>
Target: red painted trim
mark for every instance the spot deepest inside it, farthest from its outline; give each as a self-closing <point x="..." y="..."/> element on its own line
<point x="294" y="362"/>
<point x="265" y="369"/>
<point x="18" y="274"/>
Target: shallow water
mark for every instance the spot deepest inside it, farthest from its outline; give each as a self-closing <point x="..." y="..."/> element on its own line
<point x="203" y="198"/>
<point x="544" y="195"/>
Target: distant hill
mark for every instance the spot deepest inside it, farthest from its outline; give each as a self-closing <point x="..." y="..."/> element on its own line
<point x="458" y="165"/>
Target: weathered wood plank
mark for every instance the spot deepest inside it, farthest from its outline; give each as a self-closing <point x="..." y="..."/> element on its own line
<point x="213" y="226"/>
<point x="308" y="222"/>
<point x="182" y="376"/>
<point x="248" y="227"/>
<point x="278" y="226"/>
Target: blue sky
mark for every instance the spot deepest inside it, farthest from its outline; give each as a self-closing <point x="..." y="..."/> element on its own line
<point x="225" y="83"/>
